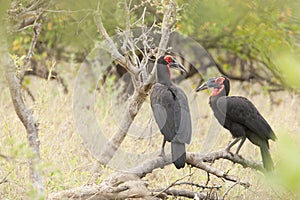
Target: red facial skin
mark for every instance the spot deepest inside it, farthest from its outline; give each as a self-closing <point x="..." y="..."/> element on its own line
<point x="217" y="91"/>
<point x="169" y="59"/>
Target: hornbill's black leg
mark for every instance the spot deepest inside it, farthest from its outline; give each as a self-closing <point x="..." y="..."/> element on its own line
<point x="240" y="145"/>
<point x="232" y="143"/>
<point x="240" y="116"/>
<point x="162" y="152"/>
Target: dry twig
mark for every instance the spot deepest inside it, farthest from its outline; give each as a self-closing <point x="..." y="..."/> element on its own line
<point x="141" y="88"/>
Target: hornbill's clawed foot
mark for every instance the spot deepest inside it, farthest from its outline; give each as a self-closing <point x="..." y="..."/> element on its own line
<point x="240" y="116"/>
<point x="228" y="151"/>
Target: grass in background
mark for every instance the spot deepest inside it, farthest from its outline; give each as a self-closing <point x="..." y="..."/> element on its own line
<point x="67" y="164"/>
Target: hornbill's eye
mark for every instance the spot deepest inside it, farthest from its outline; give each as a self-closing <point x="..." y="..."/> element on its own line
<point x="168" y="59"/>
<point x="220" y="80"/>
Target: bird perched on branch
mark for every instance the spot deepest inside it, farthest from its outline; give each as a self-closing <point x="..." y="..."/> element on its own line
<point x="171" y="110"/>
<point x="240" y="117"/>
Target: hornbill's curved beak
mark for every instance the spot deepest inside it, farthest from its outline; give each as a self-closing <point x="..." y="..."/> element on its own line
<point x="202" y="87"/>
<point x="174" y="64"/>
<point x="208" y="84"/>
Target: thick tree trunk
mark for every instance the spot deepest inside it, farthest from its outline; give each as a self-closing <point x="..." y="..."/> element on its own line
<point x="24" y="114"/>
<point x="141" y="87"/>
<point x="132" y="109"/>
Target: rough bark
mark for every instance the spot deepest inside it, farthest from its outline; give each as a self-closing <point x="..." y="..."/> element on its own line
<point x="134" y="105"/>
<point x="14" y="76"/>
<point x="24" y="114"/>
<point x="126" y="185"/>
<point x="117" y="186"/>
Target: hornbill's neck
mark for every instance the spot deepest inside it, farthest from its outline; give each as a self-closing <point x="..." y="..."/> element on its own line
<point x="163" y="74"/>
<point x="216" y="94"/>
<point x="222" y="90"/>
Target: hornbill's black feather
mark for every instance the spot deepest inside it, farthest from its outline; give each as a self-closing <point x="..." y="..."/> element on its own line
<point x="171" y="111"/>
<point x="240" y="117"/>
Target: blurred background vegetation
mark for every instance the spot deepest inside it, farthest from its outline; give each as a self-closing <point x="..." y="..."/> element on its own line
<point x="256" y="41"/>
<point x="244" y="37"/>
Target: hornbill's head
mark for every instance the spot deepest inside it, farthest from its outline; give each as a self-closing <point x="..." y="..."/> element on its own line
<point x="217" y="84"/>
<point x="170" y="62"/>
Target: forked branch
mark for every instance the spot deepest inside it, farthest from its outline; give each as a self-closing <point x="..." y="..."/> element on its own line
<point x="141" y="89"/>
<point x="119" y="185"/>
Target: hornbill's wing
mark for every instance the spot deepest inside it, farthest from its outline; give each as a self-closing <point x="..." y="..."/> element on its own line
<point x="162" y="103"/>
<point x="241" y="110"/>
<point x="182" y="117"/>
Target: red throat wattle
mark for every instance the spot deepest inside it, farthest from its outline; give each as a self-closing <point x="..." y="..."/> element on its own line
<point x="217" y="91"/>
<point x="169" y="59"/>
<point x="169" y="71"/>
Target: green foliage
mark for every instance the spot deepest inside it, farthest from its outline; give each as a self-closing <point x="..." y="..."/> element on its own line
<point x="233" y="24"/>
<point x="288" y="63"/>
<point x="3" y="8"/>
<point x="287" y="172"/>
<point x="251" y="30"/>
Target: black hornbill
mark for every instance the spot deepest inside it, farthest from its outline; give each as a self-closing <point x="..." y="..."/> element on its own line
<point x="240" y="117"/>
<point x="171" y="110"/>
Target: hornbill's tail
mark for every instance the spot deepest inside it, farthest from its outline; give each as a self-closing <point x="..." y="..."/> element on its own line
<point x="266" y="157"/>
<point x="178" y="154"/>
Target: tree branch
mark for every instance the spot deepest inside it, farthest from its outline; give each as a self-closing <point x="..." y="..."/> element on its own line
<point x="141" y="89"/>
<point x="24" y="114"/>
<point x="198" y="185"/>
<point x="165" y="34"/>
<point x="24" y="17"/>
<point x="222" y="154"/>
<point x="197" y="160"/>
<point x="116" y="185"/>
<point x="171" y="185"/>
<point x="183" y="193"/>
<point x="132" y="108"/>
<point x="37" y="28"/>
<point x="112" y="47"/>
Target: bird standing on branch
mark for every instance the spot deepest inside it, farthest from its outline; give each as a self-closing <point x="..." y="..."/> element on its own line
<point x="171" y="110"/>
<point x="240" y="117"/>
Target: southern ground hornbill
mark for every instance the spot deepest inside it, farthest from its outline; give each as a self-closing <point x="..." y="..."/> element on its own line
<point x="240" y="117"/>
<point x="171" y="110"/>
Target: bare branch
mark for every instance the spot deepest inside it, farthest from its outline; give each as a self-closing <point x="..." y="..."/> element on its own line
<point x="25" y="17"/>
<point x="215" y="171"/>
<point x="37" y="28"/>
<point x="115" y="185"/>
<point x="132" y="108"/>
<point x="222" y="154"/>
<point x="112" y="47"/>
<point x="165" y="34"/>
<point x="172" y="184"/>
<point x="198" y="160"/>
<point x="150" y="164"/>
<point x="228" y="190"/>
<point x="182" y="193"/>
<point x="198" y="185"/>
<point x="127" y="30"/>
<point x="140" y="93"/>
